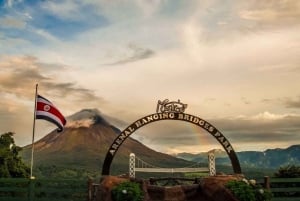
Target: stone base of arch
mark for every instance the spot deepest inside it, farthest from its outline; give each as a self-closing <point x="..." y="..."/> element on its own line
<point x="207" y="189"/>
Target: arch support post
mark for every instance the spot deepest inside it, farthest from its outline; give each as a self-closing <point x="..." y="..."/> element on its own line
<point x="132" y="165"/>
<point x="211" y="163"/>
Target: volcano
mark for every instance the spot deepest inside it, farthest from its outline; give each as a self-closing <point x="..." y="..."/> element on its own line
<point x="84" y="143"/>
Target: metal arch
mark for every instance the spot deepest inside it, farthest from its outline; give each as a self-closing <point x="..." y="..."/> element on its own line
<point x="170" y="116"/>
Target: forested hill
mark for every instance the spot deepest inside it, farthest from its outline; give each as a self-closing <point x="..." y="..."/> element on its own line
<point x="270" y="158"/>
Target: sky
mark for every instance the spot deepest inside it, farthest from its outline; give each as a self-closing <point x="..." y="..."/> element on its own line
<point x="236" y="64"/>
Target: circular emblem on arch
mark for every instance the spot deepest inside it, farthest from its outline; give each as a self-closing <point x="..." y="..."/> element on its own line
<point x="171" y="111"/>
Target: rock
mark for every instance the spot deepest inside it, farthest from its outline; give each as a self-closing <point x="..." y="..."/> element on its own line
<point x="213" y="187"/>
<point x="106" y="185"/>
<point x="208" y="189"/>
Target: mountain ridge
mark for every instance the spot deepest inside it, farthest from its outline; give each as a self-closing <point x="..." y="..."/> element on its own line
<point x="270" y="158"/>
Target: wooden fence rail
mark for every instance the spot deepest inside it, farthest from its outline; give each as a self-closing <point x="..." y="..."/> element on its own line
<point x="15" y="189"/>
<point x="283" y="189"/>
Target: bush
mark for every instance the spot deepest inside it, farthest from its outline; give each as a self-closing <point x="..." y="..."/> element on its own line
<point x="289" y="171"/>
<point x="11" y="164"/>
<point x="127" y="191"/>
<point x="248" y="191"/>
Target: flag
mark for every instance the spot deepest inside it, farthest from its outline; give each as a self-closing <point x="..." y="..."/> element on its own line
<point x="47" y="111"/>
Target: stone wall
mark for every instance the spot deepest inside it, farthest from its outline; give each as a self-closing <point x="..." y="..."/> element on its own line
<point x="208" y="189"/>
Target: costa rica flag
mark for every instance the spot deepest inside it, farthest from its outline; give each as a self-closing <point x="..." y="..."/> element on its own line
<point x="47" y="111"/>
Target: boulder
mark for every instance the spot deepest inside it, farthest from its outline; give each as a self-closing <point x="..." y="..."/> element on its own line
<point x="107" y="183"/>
<point x="208" y="189"/>
<point x="214" y="187"/>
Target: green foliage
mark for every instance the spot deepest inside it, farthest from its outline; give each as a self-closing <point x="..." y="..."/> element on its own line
<point x="11" y="165"/>
<point x="127" y="191"/>
<point x="195" y="174"/>
<point x="241" y="190"/>
<point x="62" y="172"/>
<point x="244" y="191"/>
<point x="25" y="189"/>
<point x="289" y="171"/>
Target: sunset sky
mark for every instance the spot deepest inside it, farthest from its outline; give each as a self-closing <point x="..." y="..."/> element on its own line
<point x="235" y="63"/>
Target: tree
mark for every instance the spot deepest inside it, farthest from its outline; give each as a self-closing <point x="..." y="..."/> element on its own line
<point x="289" y="171"/>
<point x="11" y="164"/>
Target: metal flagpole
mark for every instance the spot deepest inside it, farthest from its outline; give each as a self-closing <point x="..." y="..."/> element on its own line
<point x="33" y="130"/>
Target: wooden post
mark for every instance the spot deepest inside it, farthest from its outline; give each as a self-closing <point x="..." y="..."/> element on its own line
<point x="267" y="182"/>
<point x="90" y="189"/>
<point x="31" y="189"/>
<point x="33" y="130"/>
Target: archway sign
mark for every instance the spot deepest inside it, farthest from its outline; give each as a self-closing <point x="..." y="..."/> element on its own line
<point x="167" y="110"/>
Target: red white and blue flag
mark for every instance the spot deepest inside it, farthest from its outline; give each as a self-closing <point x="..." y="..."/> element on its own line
<point x="47" y="111"/>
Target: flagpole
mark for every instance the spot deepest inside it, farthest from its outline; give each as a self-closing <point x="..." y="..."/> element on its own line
<point x="33" y="131"/>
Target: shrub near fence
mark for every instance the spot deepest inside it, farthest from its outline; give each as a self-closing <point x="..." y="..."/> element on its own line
<point x="17" y="189"/>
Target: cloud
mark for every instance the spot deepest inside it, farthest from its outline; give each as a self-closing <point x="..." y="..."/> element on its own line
<point x="265" y="128"/>
<point x="11" y="3"/>
<point x="133" y="53"/>
<point x="12" y="22"/>
<point x="65" y="9"/>
<point x="288" y="102"/>
<point x="271" y="13"/>
<point x="292" y="103"/>
<point x="19" y="74"/>
<point x="245" y="101"/>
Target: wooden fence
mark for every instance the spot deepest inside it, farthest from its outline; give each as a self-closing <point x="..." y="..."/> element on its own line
<point x="15" y="189"/>
<point x="283" y="189"/>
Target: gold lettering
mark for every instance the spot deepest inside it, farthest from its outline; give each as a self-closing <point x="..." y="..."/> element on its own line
<point x="186" y="117"/>
<point x="115" y="146"/>
<point x="131" y="129"/>
<point x="211" y="129"/>
<point x="165" y="115"/>
<point x="201" y="122"/>
<point x="171" y="115"/>
<point x="127" y="133"/>
<point x="149" y="118"/>
<point x="206" y="126"/>
<point x="196" y="120"/>
<point x="122" y="136"/>
<point x="225" y="143"/>
<point x="217" y="134"/>
<point x="138" y="124"/>
<point x="119" y="141"/>
<point x="144" y="121"/>
<point x="112" y="152"/>
<point x="155" y="116"/>
<point x="229" y="149"/>
<point x="180" y="116"/>
<point x="221" y="139"/>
